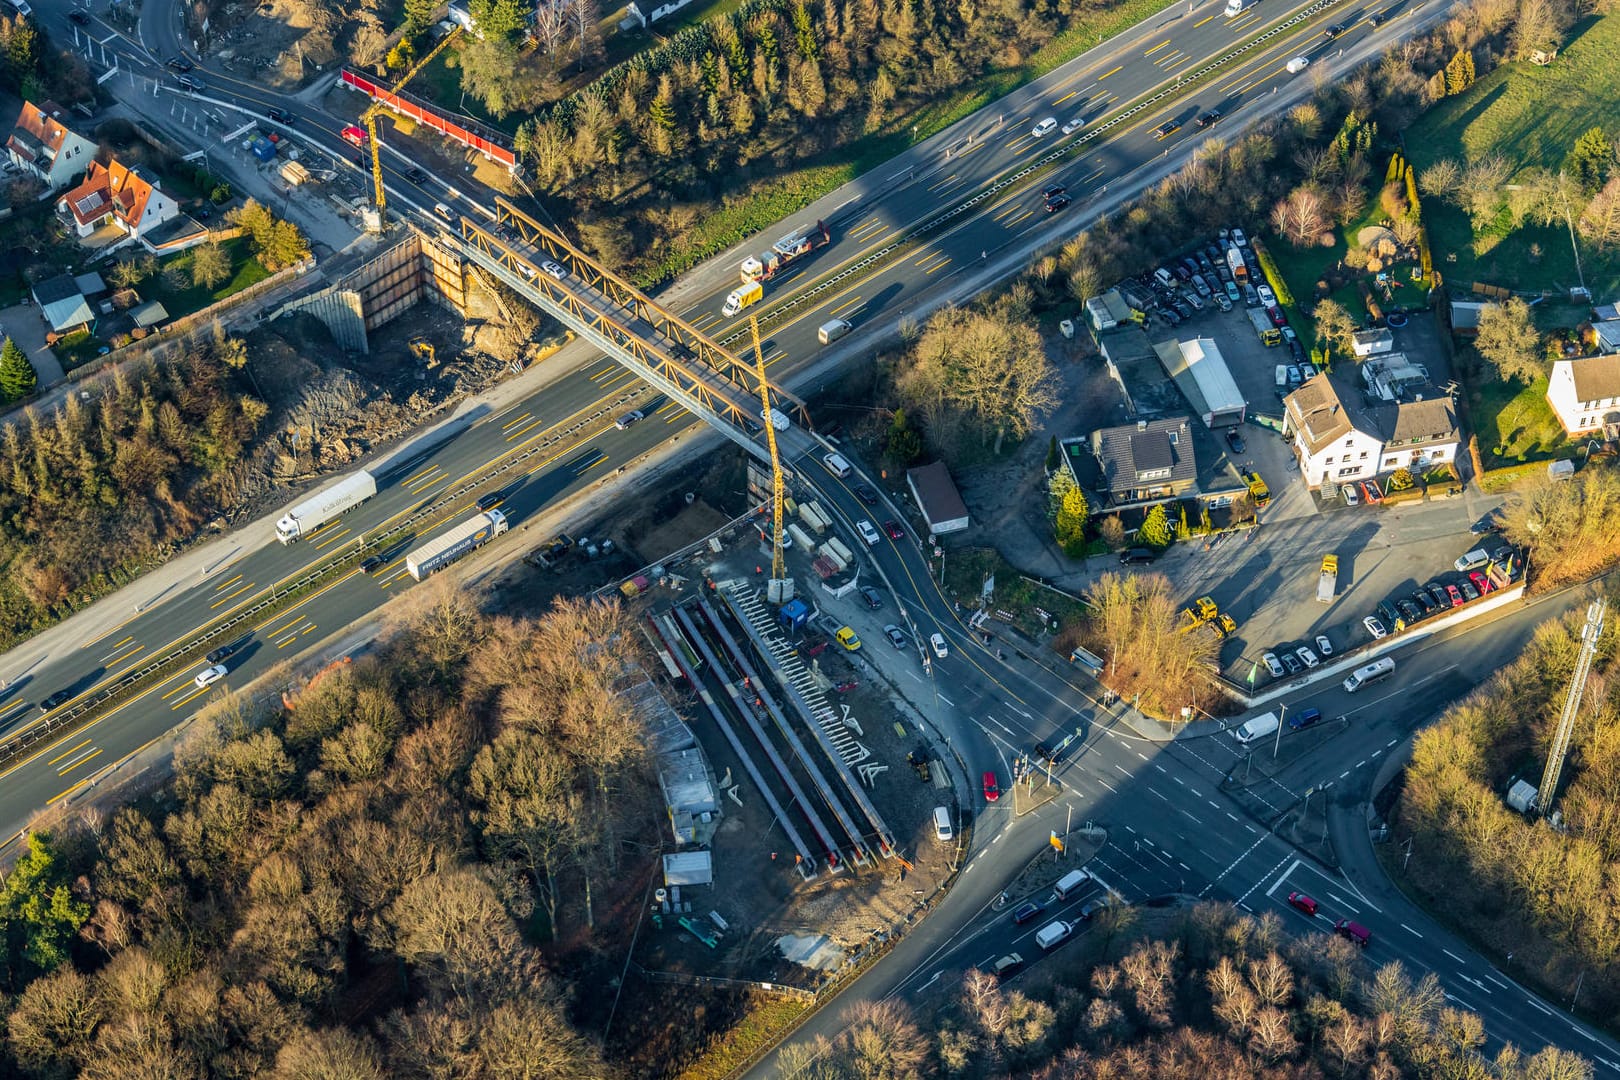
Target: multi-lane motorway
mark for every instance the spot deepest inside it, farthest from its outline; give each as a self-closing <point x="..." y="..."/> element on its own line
<point x="1170" y="829"/>
<point x="951" y="171"/>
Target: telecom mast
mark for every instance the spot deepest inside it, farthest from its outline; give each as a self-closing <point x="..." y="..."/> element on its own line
<point x="1572" y="705"/>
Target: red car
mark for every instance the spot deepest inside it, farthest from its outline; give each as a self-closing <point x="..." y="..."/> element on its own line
<point x="894" y="530"/>
<point x="991" y="791"/>
<point x="1303" y="902"/>
<point x="1455" y="594"/>
<point x="1353" y="931"/>
<point x="1481" y="582"/>
<point x="1277" y="317"/>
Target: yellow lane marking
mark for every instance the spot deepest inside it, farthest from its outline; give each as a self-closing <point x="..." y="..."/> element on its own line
<point x="926" y="255"/>
<point x="232" y="596"/>
<point x="851" y="302"/>
<point x="328" y="541"/>
<point x="969" y="150"/>
<point x="514" y="423"/>
<point x="1019" y="218"/>
<point x="221" y="587"/>
<point x="64" y="770"/>
<point x="1065" y="97"/>
<point x="1105" y="75"/>
<point x="189" y="698"/>
<point x="417" y="476"/>
<point x="937" y="266"/>
<point x="1202" y="21"/>
<point x="524" y="430"/>
<point x="951" y="179"/>
<point x="1150" y="52"/>
<point x="287" y="625"/>
<point x="68" y="753"/>
<point x="55" y="798"/>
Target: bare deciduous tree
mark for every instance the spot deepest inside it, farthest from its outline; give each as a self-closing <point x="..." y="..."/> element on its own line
<point x="1302" y="216"/>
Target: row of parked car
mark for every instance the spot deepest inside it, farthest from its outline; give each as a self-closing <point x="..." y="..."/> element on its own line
<point x="1179" y="290"/>
<point x="1469" y="580"/>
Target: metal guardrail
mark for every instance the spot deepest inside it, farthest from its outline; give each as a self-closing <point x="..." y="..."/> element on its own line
<point x="908" y="239"/>
<point x="80" y="712"/>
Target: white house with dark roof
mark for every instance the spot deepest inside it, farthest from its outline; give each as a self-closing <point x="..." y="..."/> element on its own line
<point x="1585" y="394"/>
<point x="1338" y="437"/>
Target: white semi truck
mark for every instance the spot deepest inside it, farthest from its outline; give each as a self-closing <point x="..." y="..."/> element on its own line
<point x="441" y="551"/>
<point x="323" y="506"/>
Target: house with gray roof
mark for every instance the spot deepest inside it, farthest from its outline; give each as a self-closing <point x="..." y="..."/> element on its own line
<point x="1148" y="461"/>
<point x="1585" y="395"/>
<point x="1341" y="435"/>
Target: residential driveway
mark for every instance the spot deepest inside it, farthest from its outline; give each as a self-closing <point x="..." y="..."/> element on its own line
<point x="24" y="326"/>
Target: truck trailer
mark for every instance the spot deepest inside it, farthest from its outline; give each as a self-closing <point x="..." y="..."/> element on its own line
<point x="323" y="506"/>
<point x="786" y="251"/>
<point x="441" y="551"/>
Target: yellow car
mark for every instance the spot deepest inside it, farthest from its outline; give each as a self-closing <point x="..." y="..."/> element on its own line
<point x="846" y="637"/>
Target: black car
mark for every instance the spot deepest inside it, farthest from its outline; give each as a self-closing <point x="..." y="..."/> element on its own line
<point x="873" y="598"/>
<point x="1386" y="612"/>
<point x="896" y="636"/>
<point x="1375" y="20"/>
<point x="372" y="562"/>
<point x="1486" y="524"/>
<point x="1235" y="440"/>
<point x="1183" y="310"/>
<point x="79" y="18"/>
<point x="190" y="82"/>
<point x="1046" y="754"/>
<point x="1137" y="555"/>
<point x="492" y="500"/>
<point x="1166" y="129"/>
<point x="280" y="115"/>
<point x="1334" y="31"/>
<point x="1209" y="118"/>
<point x="1169" y="316"/>
<point x="1409" y="612"/>
<point x="866" y="494"/>
<point x="1056" y="203"/>
<point x="179" y="63"/>
<point x="1027" y="911"/>
<point x="1090" y="908"/>
<point x="216" y="655"/>
<point x="1297" y="351"/>
<point x="1425" y="601"/>
<point x="54" y="700"/>
<point x="416" y="176"/>
<point x="1053" y="192"/>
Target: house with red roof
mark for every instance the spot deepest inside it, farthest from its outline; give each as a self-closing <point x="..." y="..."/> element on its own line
<point x="113" y="194"/>
<point x="42" y="144"/>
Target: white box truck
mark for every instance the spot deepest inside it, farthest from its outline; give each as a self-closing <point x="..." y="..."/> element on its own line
<point x="441" y="551"/>
<point x="1236" y="7"/>
<point x="1256" y="727"/>
<point x="323" y="506"/>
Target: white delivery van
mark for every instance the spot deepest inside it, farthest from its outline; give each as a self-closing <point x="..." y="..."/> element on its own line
<point x="942" y="824"/>
<point x="838" y="465"/>
<point x="1069" y="882"/>
<point x="1298" y="64"/>
<point x="1256" y="727"/>
<point x="1378" y="669"/>
<point x="1052" y="933"/>
<point x="833" y="330"/>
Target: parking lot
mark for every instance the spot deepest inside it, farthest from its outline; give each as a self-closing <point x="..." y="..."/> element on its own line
<point x="1266" y="579"/>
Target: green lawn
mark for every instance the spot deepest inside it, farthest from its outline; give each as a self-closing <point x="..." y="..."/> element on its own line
<point x="190" y="298"/>
<point x="1515" y="424"/>
<point x="1531" y="116"/>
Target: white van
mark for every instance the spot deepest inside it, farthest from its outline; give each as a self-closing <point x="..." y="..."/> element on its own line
<point x="1052" y="933"/>
<point x="942" y="824"/>
<point x="1471" y="561"/>
<point x="1298" y="64"/>
<point x="1069" y="882"/>
<point x="1162" y="276"/>
<point x="833" y="330"/>
<point x="1378" y="669"/>
<point x="838" y="465"/>
<point x="1256" y="727"/>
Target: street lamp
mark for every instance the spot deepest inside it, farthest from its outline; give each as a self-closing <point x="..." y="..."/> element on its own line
<point x="1278" y="741"/>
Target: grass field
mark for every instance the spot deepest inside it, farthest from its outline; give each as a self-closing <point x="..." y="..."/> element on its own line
<point x="1531" y="116"/>
<point x="1515" y="423"/>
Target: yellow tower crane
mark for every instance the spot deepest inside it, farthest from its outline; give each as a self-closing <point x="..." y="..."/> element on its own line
<point x="368" y="120"/>
<point x="778" y="566"/>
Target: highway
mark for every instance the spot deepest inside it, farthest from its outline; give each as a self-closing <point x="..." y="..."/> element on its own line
<point x="1007" y="221"/>
<point x="1176" y="823"/>
<point x="1170" y="827"/>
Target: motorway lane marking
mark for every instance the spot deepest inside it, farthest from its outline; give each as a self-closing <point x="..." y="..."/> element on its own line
<point x="227" y="583"/>
<point x="937" y="267"/>
<point x="1455" y="957"/>
<point x="1161" y="768"/>
<point x="851" y="302"/>
<point x="327" y="541"/>
<point x="1497" y="981"/>
<point x="1202" y="21"/>
<point x="231" y="596"/>
<point x="74" y="764"/>
<point x="951" y="179"/>
<point x="947" y="700"/>
<point x="1233" y="816"/>
<point x="1157" y="47"/>
<point x="509" y="425"/>
<point x="65" y="753"/>
<point x="1114" y="71"/>
<point x="1065" y="97"/>
<point x="1192" y="815"/>
<point x="1538" y="1005"/>
<point x="1411" y="931"/>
